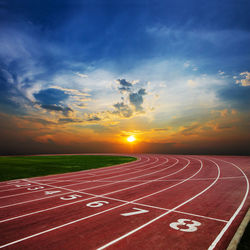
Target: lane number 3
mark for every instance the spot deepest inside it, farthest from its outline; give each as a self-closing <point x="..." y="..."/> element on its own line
<point x="190" y="224"/>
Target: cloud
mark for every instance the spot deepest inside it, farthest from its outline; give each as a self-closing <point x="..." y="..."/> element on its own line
<point x="136" y="99"/>
<point x="161" y="129"/>
<point x="53" y="107"/>
<point x="123" y="110"/>
<point x="51" y="96"/>
<point x="236" y="96"/>
<point x="190" y="130"/>
<point x="68" y="120"/>
<point x="124" y="85"/>
<point x="245" y="81"/>
<point x="93" y="118"/>
<point x="52" y="99"/>
<point x="81" y="75"/>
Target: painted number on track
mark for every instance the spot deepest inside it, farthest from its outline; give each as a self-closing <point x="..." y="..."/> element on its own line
<point x="70" y="197"/>
<point x="190" y="224"/>
<point x="52" y="192"/>
<point x="139" y="211"/>
<point x="97" y="203"/>
<point x="35" y="188"/>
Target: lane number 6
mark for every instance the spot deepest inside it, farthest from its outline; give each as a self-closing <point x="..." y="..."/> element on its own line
<point x="97" y="203"/>
<point x="190" y="224"/>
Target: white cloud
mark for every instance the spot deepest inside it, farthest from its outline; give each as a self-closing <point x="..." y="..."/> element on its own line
<point x="245" y="81"/>
<point x="81" y="75"/>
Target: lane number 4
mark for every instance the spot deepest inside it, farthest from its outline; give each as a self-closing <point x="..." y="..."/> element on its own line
<point x="191" y="225"/>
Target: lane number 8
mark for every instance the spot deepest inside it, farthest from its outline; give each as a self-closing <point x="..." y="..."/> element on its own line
<point x="190" y="224"/>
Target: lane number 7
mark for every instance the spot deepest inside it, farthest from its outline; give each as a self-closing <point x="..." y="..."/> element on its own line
<point x="139" y="211"/>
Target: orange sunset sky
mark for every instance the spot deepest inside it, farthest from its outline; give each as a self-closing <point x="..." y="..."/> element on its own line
<point x="79" y="78"/>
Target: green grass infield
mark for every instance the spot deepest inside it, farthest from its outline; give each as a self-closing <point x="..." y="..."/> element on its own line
<point x="17" y="167"/>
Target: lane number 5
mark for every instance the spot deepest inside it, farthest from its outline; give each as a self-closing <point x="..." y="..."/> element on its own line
<point x="190" y="224"/>
<point x="70" y="197"/>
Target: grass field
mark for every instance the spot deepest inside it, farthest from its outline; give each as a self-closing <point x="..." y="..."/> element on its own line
<point x="31" y="166"/>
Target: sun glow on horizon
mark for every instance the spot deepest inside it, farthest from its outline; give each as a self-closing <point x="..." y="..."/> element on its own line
<point x="131" y="138"/>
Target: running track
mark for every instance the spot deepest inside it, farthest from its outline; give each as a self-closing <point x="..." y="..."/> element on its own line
<point x="156" y="202"/>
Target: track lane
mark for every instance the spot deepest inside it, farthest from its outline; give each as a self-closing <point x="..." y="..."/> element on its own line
<point x="96" y="214"/>
<point x="77" y="187"/>
<point x="8" y="211"/>
<point x="18" y="224"/>
<point x="53" y="236"/>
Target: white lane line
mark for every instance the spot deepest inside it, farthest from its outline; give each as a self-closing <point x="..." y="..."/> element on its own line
<point x="84" y="218"/>
<point x="96" y="170"/>
<point x="27" y="192"/>
<point x="80" y="191"/>
<point x="72" y="190"/>
<point x="77" y="184"/>
<point x="162" y="215"/>
<point x="136" y="162"/>
<point x="81" y="172"/>
<point x="113" y="199"/>
<point x="12" y="189"/>
<point x="144" y="183"/>
<point x="169" y="180"/>
<point x="120" y="172"/>
<point x="7" y="196"/>
<point x="220" y="235"/>
<point x="115" y="172"/>
<point x="38" y="199"/>
<point x="200" y="216"/>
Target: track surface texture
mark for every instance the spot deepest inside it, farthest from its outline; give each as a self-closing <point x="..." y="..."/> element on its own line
<point x="156" y="202"/>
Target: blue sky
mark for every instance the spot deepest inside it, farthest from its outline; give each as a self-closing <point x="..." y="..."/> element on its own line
<point x="108" y="69"/>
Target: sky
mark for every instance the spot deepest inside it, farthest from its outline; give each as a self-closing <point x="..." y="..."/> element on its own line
<point x="81" y="76"/>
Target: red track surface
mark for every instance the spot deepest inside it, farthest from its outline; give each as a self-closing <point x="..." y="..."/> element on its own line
<point x="157" y="202"/>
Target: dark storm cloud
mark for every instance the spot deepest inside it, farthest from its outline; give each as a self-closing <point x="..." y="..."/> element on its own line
<point x="136" y="99"/>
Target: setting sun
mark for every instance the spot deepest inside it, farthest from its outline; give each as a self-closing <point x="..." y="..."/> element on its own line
<point x="131" y="138"/>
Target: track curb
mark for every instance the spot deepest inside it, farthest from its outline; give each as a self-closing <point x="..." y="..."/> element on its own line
<point x="239" y="233"/>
